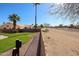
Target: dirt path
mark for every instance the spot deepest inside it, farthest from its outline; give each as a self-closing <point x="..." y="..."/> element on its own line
<point x="61" y="42"/>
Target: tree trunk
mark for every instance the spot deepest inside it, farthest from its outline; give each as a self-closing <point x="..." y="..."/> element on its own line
<point x="14" y="25"/>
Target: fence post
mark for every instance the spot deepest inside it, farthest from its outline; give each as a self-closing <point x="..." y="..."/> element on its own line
<point x="15" y="51"/>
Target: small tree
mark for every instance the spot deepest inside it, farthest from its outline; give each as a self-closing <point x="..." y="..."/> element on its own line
<point x="60" y="25"/>
<point x="41" y="26"/>
<point x="77" y="25"/>
<point x="35" y="26"/>
<point x="71" y="26"/>
<point x="46" y="25"/>
<point x="25" y="27"/>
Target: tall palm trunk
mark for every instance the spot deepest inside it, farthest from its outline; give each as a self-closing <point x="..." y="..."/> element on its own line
<point x="14" y="24"/>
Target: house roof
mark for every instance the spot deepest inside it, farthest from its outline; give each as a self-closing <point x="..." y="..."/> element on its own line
<point x="9" y="25"/>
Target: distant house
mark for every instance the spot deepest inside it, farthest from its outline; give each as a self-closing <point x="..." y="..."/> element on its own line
<point x="10" y="26"/>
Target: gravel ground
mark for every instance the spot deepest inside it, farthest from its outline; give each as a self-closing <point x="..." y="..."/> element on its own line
<point x="60" y="42"/>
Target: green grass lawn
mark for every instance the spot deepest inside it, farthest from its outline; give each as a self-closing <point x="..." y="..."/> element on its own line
<point x="8" y="43"/>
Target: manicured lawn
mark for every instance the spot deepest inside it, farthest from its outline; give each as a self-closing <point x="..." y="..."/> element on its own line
<point x="9" y="42"/>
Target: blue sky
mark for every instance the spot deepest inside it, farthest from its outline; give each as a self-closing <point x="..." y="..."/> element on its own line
<point x="26" y="12"/>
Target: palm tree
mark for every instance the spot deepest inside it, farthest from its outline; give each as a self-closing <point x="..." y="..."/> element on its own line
<point x="14" y="18"/>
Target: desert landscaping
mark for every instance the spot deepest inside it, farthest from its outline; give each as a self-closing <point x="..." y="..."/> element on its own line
<point x="61" y="42"/>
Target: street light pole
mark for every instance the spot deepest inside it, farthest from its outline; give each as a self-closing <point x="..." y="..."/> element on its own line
<point x="36" y="15"/>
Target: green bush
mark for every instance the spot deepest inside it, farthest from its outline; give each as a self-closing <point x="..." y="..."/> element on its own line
<point x="46" y="30"/>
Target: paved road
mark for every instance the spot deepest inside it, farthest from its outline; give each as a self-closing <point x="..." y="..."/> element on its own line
<point x="60" y="42"/>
